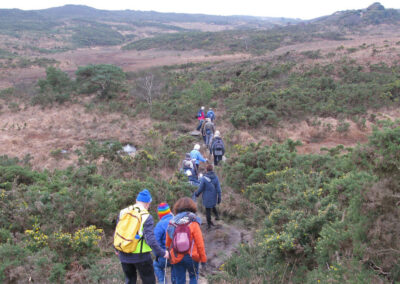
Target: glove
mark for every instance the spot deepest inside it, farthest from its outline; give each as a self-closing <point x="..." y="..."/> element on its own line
<point x="219" y="200"/>
<point x="203" y="266"/>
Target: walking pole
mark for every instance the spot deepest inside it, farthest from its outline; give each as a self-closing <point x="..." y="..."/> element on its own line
<point x="165" y="270"/>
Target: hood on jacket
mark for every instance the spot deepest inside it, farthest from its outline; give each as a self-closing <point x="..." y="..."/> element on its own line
<point x="211" y="175"/>
<point x="181" y="218"/>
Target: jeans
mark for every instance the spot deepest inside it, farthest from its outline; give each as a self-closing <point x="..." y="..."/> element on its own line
<point x="159" y="266"/>
<point x="208" y="140"/>
<point x="208" y="214"/>
<point x="199" y="126"/>
<point x="145" y="269"/>
<point x="189" y="265"/>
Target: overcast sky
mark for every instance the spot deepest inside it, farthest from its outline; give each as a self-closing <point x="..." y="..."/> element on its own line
<point x="304" y="9"/>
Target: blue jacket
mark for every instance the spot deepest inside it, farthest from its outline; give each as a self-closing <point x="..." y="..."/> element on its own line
<point x="161" y="228"/>
<point x="211" y="115"/>
<point x="196" y="155"/>
<point x="211" y="190"/>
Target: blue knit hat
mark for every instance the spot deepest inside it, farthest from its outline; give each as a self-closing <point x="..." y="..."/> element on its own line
<point x="144" y="196"/>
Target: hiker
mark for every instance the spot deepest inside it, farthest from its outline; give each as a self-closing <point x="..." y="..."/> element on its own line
<point x="217" y="148"/>
<point x="185" y="241"/>
<point x="207" y="130"/>
<point x="190" y="171"/>
<point x="196" y="155"/>
<point x="201" y="117"/>
<point x="189" y="162"/>
<point x="211" y="190"/>
<point x="160" y="263"/>
<point x="211" y="114"/>
<point x="140" y="259"/>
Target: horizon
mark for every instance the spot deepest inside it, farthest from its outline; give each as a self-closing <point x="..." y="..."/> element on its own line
<point x="305" y="10"/>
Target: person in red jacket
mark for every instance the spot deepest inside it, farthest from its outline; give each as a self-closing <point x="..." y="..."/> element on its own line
<point x="201" y="117"/>
<point x="185" y="210"/>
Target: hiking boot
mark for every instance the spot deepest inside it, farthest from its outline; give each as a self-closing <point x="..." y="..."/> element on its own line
<point x="217" y="218"/>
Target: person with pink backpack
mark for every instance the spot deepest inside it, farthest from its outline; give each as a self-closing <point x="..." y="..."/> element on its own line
<point x="185" y="241"/>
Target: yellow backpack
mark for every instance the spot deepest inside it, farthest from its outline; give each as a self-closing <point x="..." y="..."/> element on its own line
<point x="126" y="236"/>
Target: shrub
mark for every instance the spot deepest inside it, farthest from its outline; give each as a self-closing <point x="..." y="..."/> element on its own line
<point x="104" y="79"/>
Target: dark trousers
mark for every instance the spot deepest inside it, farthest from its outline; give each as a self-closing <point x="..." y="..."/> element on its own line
<point x="199" y="125"/>
<point x="146" y="272"/>
<point x="217" y="159"/>
<point x="208" y="214"/>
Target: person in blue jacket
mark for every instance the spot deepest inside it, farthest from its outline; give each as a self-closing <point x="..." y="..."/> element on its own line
<point x="165" y="215"/>
<point x="211" y="114"/>
<point x="196" y="155"/>
<point x="211" y="190"/>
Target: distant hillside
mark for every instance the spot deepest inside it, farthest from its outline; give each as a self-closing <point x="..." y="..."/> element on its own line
<point x="73" y="26"/>
<point x="60" y="14"/>
<point x="373" y="15"/>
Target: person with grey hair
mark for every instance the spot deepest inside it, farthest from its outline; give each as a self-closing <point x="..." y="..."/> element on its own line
<point x="197" y="157"/>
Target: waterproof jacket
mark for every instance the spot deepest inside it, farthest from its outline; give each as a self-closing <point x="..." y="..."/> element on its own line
<point x="211" y="190"/>
<point x="149" y="239"/>
<point x="211" y="115"/>
<point x="160" y="230"/>
<point x="200" y="115"/>
<point x="198" y="251"/>
<point x="217" y="141"/>
<point x="196" y="155"/>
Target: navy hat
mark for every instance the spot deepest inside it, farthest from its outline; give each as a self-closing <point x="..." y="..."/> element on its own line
<point x="144" y="196"/>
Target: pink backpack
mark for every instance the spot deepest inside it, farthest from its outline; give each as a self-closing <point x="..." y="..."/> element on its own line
<point x="181" y="241"/>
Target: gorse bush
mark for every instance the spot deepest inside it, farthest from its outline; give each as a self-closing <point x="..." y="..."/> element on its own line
<point x="322" y="212"/>
<point x="263" y="94"/>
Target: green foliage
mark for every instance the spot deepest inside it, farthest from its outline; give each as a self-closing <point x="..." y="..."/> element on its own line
<point x="263" y="94"/>
<point x="56" y="81"/>
<point x="323" y="213"/>
<point x="4" y="54"/>
<point x="104" y="79"/>
<point x="95" y="34"/>
<point x="312" y="54"/>
<point x="199" y="93"/>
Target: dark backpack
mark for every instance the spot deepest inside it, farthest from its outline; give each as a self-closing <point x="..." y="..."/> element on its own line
<point x="218" y="148"/>
<point x="181" y="240"/>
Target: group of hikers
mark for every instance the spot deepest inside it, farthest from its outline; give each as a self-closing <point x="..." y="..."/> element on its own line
<point x="211" y="136"/>
<point x="176" y="240"/>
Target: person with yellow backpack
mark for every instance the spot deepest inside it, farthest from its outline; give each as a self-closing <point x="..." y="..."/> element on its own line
<point x="134" y="240"/>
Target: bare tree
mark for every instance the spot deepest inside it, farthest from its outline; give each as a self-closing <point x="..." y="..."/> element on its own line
<point x="148" y="87"/>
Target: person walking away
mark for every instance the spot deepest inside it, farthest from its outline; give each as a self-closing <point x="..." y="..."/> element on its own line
<point x="190" y="172"/>
<point x="185" y="241"/>
<point x="211" y="190"/>
<point x="217" y="148"/>
<point x="189" y="162"/>
<point x="160" y="231"/>
<point x="201" y="117"/>
<point x="196" y="155"/>
<point x="140" y="259"/>
<point x="208" y="132"/>
<point x="211" y="114"/>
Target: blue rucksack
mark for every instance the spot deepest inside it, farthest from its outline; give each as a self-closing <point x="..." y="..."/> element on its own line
<point x="211" y="115"/>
